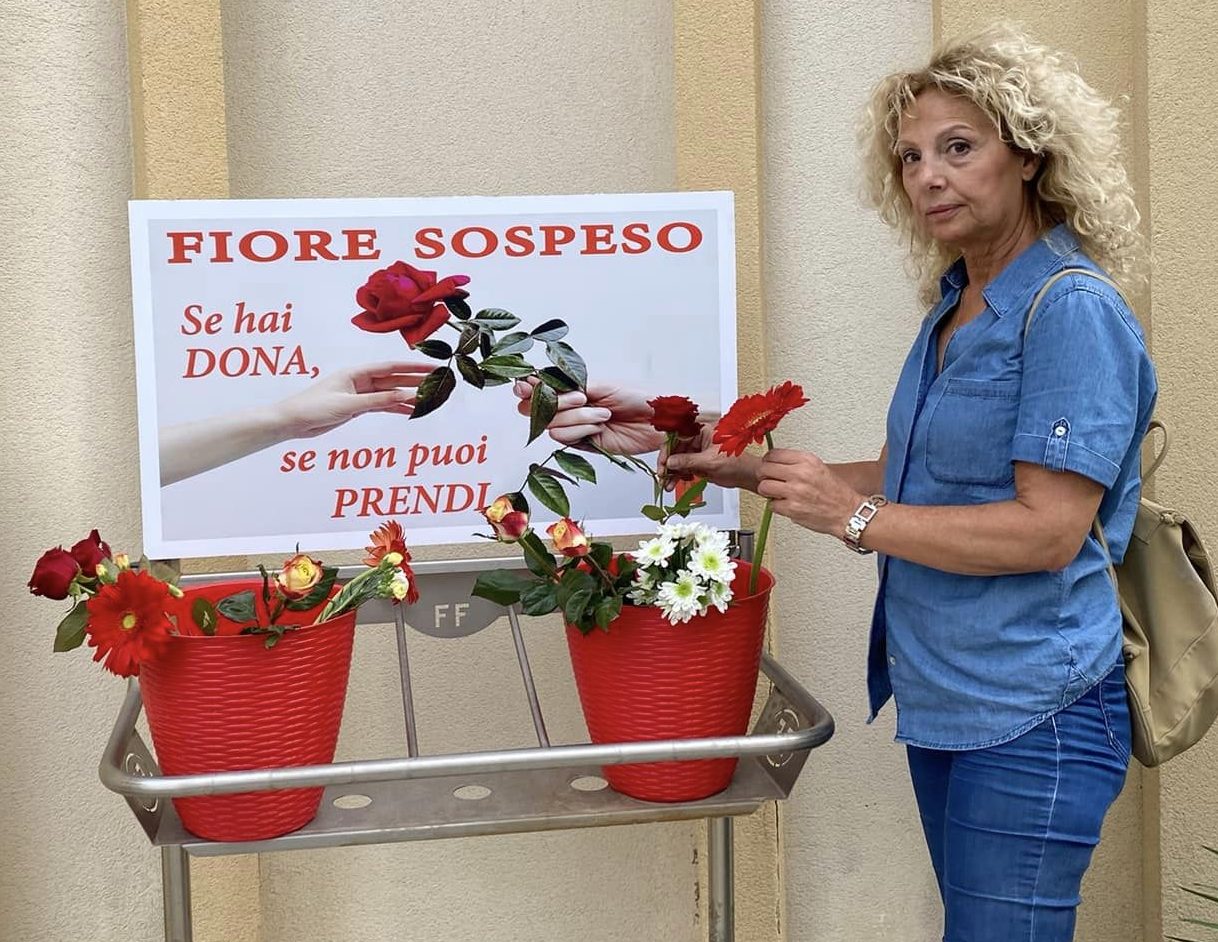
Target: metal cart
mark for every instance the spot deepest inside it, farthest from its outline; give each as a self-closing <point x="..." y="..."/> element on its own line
<point x="425" y="797"/>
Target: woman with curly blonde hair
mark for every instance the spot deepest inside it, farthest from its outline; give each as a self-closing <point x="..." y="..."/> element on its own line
<point x="996" y="628"/>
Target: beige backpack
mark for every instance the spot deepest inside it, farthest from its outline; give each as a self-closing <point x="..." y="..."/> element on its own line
<point x="1169" y="604"/>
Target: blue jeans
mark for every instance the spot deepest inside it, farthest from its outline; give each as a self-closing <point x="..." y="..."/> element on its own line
<point x="1011" y="828"/>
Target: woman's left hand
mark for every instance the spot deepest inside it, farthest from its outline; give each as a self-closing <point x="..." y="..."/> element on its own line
<point x="802" y="487"/>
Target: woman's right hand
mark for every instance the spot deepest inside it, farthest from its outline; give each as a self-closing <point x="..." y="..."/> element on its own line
<point x="700" y="457"/>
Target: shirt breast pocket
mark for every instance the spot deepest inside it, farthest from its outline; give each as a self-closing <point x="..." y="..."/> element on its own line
<point x="970" y="430"/>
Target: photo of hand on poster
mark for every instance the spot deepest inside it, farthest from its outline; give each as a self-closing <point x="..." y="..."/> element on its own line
<point x="308" y="366"/>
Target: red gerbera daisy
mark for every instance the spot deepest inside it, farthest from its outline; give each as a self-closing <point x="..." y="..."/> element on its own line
<point x="387" y="538"/>
<point x="127" y="621"/>
<point x="753" y="417"/>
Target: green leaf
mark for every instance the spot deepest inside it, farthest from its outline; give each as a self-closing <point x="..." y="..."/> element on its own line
<point x="164" y="572"/>
<point x="537" y="554"/>
<point x="319" y="593"/>
<point x="469" y="339"/>
<point x="71" y="631"/>
<point x="626" y="568"/>
<point x="607" y="609"/>
<point x="434" y="391"/>
<point x="501" y="586"/>
<point x="485" y="342"/>
<point x="470" y="371"/>
<point x="204" y="615"/>
<point x="515" y="342"/>
<point x="550" y="492"/>
<point x="434" y="348"/>
<point x="495" y="380"/>
<point x="566" y="359"/>
<point x="602" y="554"/>
<point x="550" y="472"/>
<point x="691" y="497"/>
<point x="238" y="607"/>
<point x="575" y="591"/>
<point x="510" y="366"/>
<point x="1201" y="893"/>
<point x="458" y="307"/>
<point x="551" y="330"/>
<point x="496" y="319"/>
<point x="576" y="466"/>
<point x="652" y="512"/>
<point x="542" y="409"/>
<point x="557" y="380"/>
<point x="539" y="599"/>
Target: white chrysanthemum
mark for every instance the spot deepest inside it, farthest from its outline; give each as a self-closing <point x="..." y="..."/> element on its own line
<point x="710" y="537"/>
<point x="677" y="531"/>
<point x="719" y="594"/>
<point x="681" y="600"/>
<point x="643" y="591"/>
<point x="655" y="551"/>
<point x="712" y="563"/>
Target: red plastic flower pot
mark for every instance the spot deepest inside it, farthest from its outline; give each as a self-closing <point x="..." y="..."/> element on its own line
<point x="227" y="703"/>
<point x="646" y="679"/>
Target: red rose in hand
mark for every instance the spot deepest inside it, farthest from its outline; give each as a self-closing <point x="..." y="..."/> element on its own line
<point x="407" y="300"/>
<point x="89" y="552"/>
<point x="53" y="574"/>
<point x="674" y="414"/>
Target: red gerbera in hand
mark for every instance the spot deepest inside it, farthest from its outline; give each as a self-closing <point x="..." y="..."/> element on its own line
<point x="677" y="414"/>
<point x="387" y="538"/>
<point x="753" y="417"/>
<point x="127" y="621"/>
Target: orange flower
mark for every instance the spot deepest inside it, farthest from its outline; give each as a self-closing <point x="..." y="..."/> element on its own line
<point x="387" y="538"/>
<point x="753" y="417"/>
<point x="568" y="538"/>
<point x="508" y="523"/>
<point x="298" y="576"/>
<point x="127" y="621"/>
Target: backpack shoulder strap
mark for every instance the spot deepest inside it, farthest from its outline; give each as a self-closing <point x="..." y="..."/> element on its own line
<point x="1044" y="289"/>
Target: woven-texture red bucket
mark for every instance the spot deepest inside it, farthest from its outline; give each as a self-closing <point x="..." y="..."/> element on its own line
<point x="228" y="703"/>
<point x="646" y="679"/>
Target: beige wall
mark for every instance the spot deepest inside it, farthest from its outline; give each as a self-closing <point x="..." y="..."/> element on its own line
<point x="290" y="99"/>
<point x="840" y="316"/>
<point x="1182" y="119"/>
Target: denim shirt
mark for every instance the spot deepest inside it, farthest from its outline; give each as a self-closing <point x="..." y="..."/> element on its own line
<point x="974" y="661"/>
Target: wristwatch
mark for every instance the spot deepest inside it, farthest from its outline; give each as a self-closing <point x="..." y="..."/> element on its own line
<point x="859" y="519"/>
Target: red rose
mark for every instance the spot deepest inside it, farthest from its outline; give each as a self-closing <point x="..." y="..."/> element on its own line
<point x="674" y="414"/>
<point x="53" y="574"/>
<point x="407" y="300"/>
<point x="89" y="552"/>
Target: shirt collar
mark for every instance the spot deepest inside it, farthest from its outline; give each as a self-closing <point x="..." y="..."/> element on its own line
<point x="1010" y="290"/>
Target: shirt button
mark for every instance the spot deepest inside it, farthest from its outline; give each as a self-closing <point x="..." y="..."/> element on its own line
<point x="892" y="660"/>
<point x="1059" y="431"/>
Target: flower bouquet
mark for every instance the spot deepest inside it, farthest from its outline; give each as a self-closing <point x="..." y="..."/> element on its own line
<point x="239" y="675"/>
<point x="665" y="641"/>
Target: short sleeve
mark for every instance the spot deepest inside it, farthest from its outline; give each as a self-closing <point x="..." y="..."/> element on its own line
<point x="1083" y="364"/>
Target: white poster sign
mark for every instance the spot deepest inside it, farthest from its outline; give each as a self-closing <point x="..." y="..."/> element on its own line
<point x="274" y="352"/>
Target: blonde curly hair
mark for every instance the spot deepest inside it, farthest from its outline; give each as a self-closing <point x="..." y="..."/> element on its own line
<point x="1040" y="105"/>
